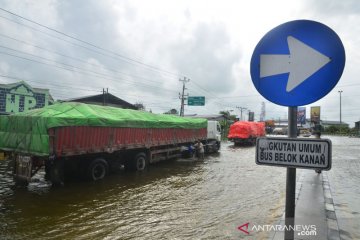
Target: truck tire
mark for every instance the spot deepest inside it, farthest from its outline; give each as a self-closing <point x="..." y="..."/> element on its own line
<point x="97" y="169"/>
<point x="213" y="147"/>
<point x="138" y="163"/>
<point x="216" y="147"/>
<point x="54" y="171"/>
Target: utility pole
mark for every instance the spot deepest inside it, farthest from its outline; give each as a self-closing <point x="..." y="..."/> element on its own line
<point x="105" y="94"/>
<point x="263" y="112"/>
<point x="241" y="110"/>
<point x="182" y="96"/>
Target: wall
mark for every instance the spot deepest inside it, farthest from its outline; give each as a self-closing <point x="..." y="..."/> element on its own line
<point x="19" y="97"/>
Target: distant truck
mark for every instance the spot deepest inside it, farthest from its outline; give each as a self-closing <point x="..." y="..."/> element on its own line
<point x="91" y="140"/>
<point x="279" y="131"/>
<point x="246" y="132"/>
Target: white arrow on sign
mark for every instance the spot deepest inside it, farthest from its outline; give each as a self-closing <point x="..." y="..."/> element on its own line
<point x="302" y="62"/>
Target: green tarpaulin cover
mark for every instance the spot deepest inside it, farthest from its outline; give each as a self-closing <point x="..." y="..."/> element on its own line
<point x="27" y="132"/>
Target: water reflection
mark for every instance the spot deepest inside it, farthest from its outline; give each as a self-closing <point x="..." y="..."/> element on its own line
<point x="182" y="199"/>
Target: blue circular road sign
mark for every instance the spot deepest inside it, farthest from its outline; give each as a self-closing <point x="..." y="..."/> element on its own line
<point x="297" y="63"/>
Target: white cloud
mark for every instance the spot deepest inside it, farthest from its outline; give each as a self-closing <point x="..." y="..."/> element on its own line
<point x="210" y="42"/>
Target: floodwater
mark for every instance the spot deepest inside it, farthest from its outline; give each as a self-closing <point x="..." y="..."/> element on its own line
<point x="344" y="181"/>
<point x="180" y="199"/>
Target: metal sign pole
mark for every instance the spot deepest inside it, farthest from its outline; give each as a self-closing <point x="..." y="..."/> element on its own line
<point x="304" y="65"/>
<point x="290" y="180"/>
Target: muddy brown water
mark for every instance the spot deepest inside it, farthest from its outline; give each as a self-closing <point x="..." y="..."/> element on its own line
<point x="179" y="199"/>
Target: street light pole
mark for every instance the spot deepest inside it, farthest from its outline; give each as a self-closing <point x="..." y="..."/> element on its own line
<point x="340" y="109"/>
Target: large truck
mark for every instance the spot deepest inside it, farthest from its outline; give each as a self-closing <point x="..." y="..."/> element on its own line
<point x="90" y="140"/>
<point x="246" y="132"/>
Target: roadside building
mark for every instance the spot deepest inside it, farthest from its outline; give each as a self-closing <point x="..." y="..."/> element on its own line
<point x="283" y="124"/>
<point x="215" y="117"/>
<point x="20" y="97"/>
<point x="327" y="124"/>
<point x="104" y="99"/>
<point x="357" y="127"/>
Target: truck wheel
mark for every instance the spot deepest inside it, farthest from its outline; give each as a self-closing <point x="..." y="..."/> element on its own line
<point x="97" y="169"/>
<point x="138" y="163"/>
<point x="54" y="171"/>
<point x="213" y="146"/>
<point x="216" y="147"/>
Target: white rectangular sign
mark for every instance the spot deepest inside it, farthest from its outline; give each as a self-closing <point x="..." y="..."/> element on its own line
<point x="294" y="152"/>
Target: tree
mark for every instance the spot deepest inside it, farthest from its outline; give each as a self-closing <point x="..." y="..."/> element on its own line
<point x="227" y="115"/>
<point x="172" y="111"/>
<point x="337" y="130"/>
<point x="225" y="124"/>
<point x="332" y="129"/>
<point x="140" y="106"/>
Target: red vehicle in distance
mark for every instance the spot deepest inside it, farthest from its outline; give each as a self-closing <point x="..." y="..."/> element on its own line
<point x="246" y="132"/>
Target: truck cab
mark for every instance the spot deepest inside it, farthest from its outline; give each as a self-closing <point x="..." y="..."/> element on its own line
<point x="213" y="141"/>
<point x="214" y="130"/>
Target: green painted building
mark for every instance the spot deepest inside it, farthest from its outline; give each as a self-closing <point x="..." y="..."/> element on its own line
<point x="20" y="97"/>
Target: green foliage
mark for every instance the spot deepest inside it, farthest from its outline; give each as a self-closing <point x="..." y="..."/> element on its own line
<point x="140" y="106"/>
<point x="225" y="124"/>
<point x="172" y="111"/>
<point x="337" y="130"/>
<point x="332" y="129"/>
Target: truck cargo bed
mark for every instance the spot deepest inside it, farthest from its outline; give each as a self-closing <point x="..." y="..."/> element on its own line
<point x="84" y="127"/>
<point x="67" y="141"/>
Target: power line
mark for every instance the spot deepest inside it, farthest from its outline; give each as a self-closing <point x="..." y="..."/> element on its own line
<point x="51" y="84"/>
<point x="82" y="41"/>
<point x="71" y="68"/>
<point x="73" y="58"/>
<point x="105" y="50"/>
<point x="220" y="102"/>
<point x="91" y="44"/>
<point x="85" y="42"/>
<point x="72" y="43"/>
<point x="62" y="92"/>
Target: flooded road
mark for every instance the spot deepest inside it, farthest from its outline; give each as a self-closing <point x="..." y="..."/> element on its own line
<point x="181" y="199"/>
<point x="344" y="180"/>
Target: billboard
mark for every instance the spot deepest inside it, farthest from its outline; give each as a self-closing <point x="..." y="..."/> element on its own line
<point x="301" y="115"/>
<point x="251" y="116"/>
<point x="315" y="114"/>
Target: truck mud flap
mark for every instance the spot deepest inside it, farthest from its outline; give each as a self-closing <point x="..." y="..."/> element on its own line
<point x="23" y="167"/>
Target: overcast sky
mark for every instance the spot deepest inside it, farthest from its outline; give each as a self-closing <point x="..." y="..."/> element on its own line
<point x="140" y="49"/>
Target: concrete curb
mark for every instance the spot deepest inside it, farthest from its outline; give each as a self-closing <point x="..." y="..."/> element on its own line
<point x="331" y="224"/>
<point x="333" y="228"/>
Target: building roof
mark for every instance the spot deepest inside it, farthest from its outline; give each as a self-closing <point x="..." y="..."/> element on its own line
<point x="33" y="89"/>
<point x="333" y="123"/>
<point x="106" y="99"/>
<point x="217" y="117"/>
